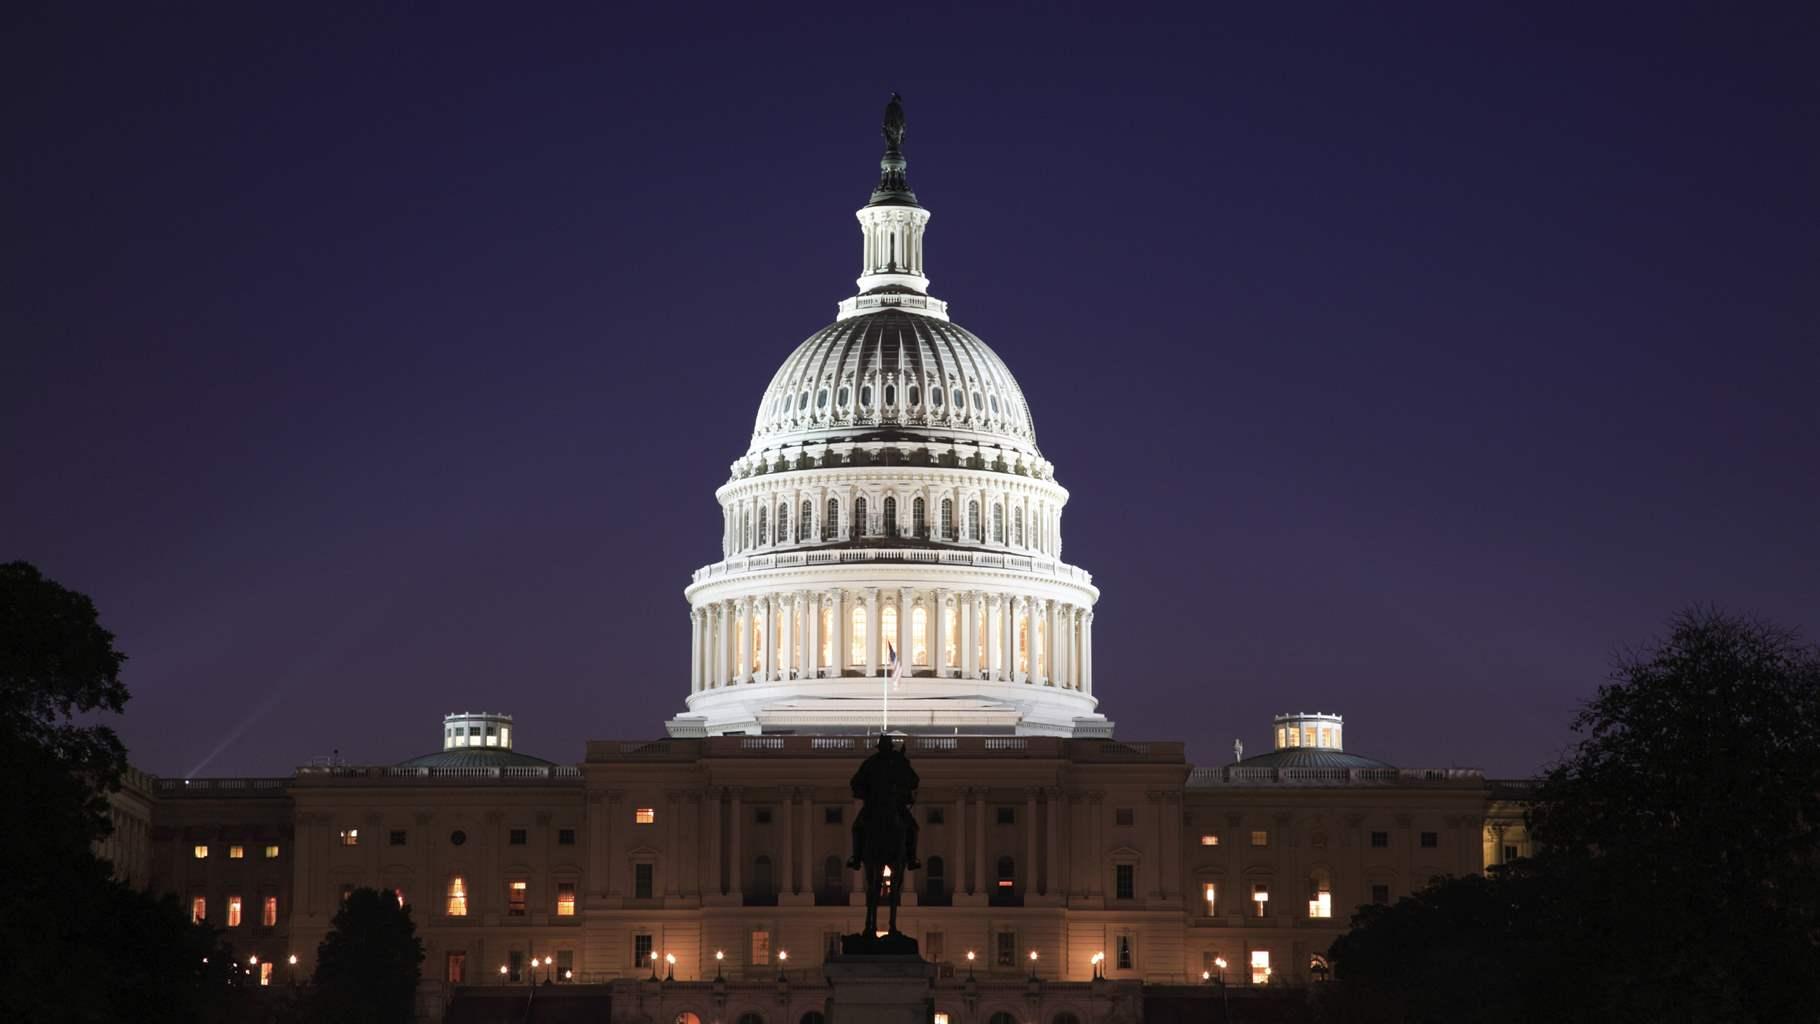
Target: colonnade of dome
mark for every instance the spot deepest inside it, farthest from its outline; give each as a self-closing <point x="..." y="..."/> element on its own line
<point x="836" y="632"/>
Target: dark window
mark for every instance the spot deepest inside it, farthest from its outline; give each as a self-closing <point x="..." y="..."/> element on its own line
<point x="397" y="837"/>
<point x="1007" y="873"/>
<point x="641" y="951"/>
<point x="831" y="815"/>
<point x="1125" y="958"/>
<point x="1430" y="840"/>
<point x="1510" y="853"/>
<point x="565" y="837"/>
<point x="1124" y="816"/>
<point x="1005" y="951"/>
<point x="1007" y="815"/>
<point x="516" y="960"/>
<point x="761" y="815"/>
<point x="516" y="837"/>
<point x="1126" y="875"/>
<point x="641" y="881"/>
<point x="1380" y="840"/>
<point x="935" y="816"/>
<point x="1380" y="895"/>
<point x="565" y="964"/>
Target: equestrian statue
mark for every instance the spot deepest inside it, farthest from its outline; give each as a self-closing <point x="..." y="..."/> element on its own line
<point x="884" y="844"/>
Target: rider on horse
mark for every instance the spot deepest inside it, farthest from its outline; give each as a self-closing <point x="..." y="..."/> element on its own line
<point x="886" y="780"/>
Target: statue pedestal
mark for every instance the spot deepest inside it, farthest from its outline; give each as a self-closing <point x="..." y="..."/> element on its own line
<point x="880" y="988"/>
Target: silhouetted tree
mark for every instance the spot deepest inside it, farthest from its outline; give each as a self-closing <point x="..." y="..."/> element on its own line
<point x="75" y="945"/>
<point x="368" y="965"/>
<point x="1677" y="877"/>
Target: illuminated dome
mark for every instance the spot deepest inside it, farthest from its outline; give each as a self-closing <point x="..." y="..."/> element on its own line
<point x="893" y="373"/>
<point x="892" y="506"/>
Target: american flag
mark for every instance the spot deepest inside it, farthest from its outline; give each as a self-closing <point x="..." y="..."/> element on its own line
<point x="897" y="666"/>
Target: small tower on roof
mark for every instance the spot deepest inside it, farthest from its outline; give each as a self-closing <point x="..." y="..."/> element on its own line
<point x="477" y="729"/>
<point x="1317" y="730"/>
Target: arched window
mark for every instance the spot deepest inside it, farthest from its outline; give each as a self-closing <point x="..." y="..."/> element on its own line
<point x="1042" y="649"/>
<point x="840" y="400"/>
<point x="919" y="636"/>
<point x="832" y="523"/>
<point x="827" y="637"/>
<point x="1065" y="1017"/>
<point x="750" y="1017"/>
<point x="1023" y="641"/>
<point x="758" y="637"/>
<point x="1017" y="527"/>
<point x="802" y="521"/>
<point x="887" y="627"/>
<point x="919" y="523"/>
<point x="745" y="528"/>
<point x="1001" y="1017"/>
<point x="998" y="524"/>
<point x="783" y="523"/>
<point x="865" y="397"/>
<point x="856" y="637"/>
<point x="686" y="1017"/>
<point x="978" y="406"/>
<point x="859" y="518"/>
<point x="813" y="1017"/>
<point x="763" y="536"/>
<point x="890" y="517"/>
<point x="993" y="401"/>
<point x="821" y="399"/>
<point x="890" y="395"/>
<point x="914" y="395"/>
<point x="947" y="519"/>
<point x="973" y="521"/>
<point x="802" y="402"/>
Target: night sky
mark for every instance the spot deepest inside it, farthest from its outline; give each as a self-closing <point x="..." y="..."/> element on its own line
<point x="366" y="367"/>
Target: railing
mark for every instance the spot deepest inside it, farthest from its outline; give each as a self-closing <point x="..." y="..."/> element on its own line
<point x="1235" y="775"/>
<point x="466" y="773"/>
<point x="221" y="787"/>
<point x="847" y="556"/>
<point x="848" y="747"/>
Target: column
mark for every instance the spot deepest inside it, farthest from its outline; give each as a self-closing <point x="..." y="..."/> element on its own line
<point x="744" y="653"/>
<point x="1052" y="640"/>
<point x="1087" y="653"/>
<point x="938" y="626"/>
<point x="719" y="627"/>
<point x="711" y="809"/>
<point x="838" y="663"/>
<point x="970" y="668"/>
<point x="957" y="861"/>
<point x="1030" y="874"/>
<point x="694" y="651"/>
<point x="872" y="639"/>
<point x="735" y="852"/>
<point x="773" y="604"/>
<point x="812" y="633"/>
<point x="1096" y="828"/>
<point x="787" y="884"/>
<point x="808" y="795"/>
<point x="906" y="613"/>
<point x="979" y="840"/>
<point x="1008" y="639"/>
<point x="728" y="641"/>
<point x="1052" y="881"/>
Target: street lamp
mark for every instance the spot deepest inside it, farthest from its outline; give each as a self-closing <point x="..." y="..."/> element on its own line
<point x="1033" y="965"/>
<point x="970" y="963"/>
<point x="719" y="955"/>
<point x="654" y="965"/>
<point x="292" y="960"/>
<point x="1225" y="1000"/>
<point x="1098" y="958"/>
<point x="502" y="974"/>
<point x="670" y="960"/>
<point x="783" y="958"/>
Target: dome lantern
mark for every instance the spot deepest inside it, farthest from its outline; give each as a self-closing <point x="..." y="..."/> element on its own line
<point x="893" y="224"/>
<point x="1317" y="731"/>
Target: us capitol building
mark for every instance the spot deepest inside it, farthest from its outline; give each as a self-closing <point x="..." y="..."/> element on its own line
<point x="891" y="545"/>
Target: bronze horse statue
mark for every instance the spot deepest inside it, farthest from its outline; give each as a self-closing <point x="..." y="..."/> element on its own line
<point x="884" y="833"/>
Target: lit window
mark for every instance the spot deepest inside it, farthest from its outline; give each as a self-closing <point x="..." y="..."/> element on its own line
<point x="1260" y="967"/>
<point x="233" y="914"/>
<point x="265" y="972"/>
<point x="458" y="897"/>
<point x="1260" y="838"/>
<point x="856" y="637"/>
<point x="201" y="852"/>
<point x="941" y="1018"/>
<point x="565" y="899"/>
<point x="1210" y="840"/>
<point x="1005" y="949"/>
<point x="1210" y="897"/>
<point x="1260" y="899"/>
<point x="271" y="851"/>
<point x="457" y="967"/>
<point x="761" y="946"/>
<point x="269" y="916"/>
<point x="199" y="909"/>
<point x="350" y="837"/>
<point x="236" y="853"/>
<point x="645" y="816"/>
<point x="1320" y="901"/>
<point x="515" y="897"/>
<point x="398" y="894"/>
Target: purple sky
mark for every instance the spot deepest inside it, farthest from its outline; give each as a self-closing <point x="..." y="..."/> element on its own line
<point x="1403" y="366"/>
